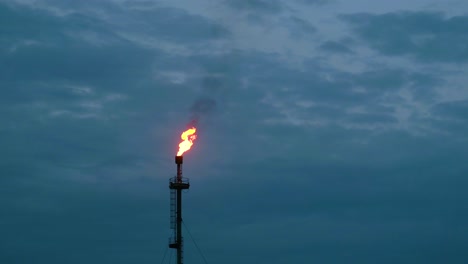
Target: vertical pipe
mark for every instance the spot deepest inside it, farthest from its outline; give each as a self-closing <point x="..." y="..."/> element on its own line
<point x="179" y="160"/>
<point x="179" y="173"/>
<point x="179" y="226"/>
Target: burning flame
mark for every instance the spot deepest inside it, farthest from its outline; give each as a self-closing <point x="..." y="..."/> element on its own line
<point x="187" y="137"/>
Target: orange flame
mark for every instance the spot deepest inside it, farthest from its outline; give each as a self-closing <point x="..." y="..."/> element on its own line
<point x="187" y="137"/>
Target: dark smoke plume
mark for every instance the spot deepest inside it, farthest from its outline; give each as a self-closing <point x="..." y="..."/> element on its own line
<point x="201" y="107"/>
<point x="206" y="105"/>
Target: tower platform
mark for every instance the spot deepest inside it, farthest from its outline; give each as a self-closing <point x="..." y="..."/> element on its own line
<point x="179" y="184"/>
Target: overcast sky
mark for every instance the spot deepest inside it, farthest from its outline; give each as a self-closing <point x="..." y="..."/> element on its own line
<point x="330" y="131"/>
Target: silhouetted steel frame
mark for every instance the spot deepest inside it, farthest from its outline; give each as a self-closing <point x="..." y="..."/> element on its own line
<point x="178" y="183"/>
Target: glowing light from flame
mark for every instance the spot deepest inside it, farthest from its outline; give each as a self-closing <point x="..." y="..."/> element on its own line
<point x="187" y="137"/>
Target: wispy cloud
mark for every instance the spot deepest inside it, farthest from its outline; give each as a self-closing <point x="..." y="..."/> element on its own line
<point x="428" y="37"/>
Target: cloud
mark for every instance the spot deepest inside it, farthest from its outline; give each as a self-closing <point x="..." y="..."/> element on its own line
<point x="449" y="118"/>
<point x="176" y="25"/>
<point x="299" y="27"/>
<point x="257" y="6"/>
<point x="457" y="110"/>
<point x="272" y="15"/>
<point x="257" y="12"/>
<point x="334" y="47"/>
<point x="62" y="55"/>
<point x="427" y="37"/>
<point x="315" y="2"/>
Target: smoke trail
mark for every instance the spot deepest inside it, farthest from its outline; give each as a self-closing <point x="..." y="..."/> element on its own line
<point x="206" y="104"/>
<point x="201" y="107"/>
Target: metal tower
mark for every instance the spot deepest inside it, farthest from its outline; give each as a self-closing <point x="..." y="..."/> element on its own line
<point x="176" y="185"/>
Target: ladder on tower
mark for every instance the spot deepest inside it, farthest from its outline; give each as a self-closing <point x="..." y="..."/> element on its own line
<point x="181" y="250"/>
<point x="173" y="208"/>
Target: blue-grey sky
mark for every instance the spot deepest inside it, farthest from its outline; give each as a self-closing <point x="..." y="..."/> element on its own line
<point x="330" y="131"/>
